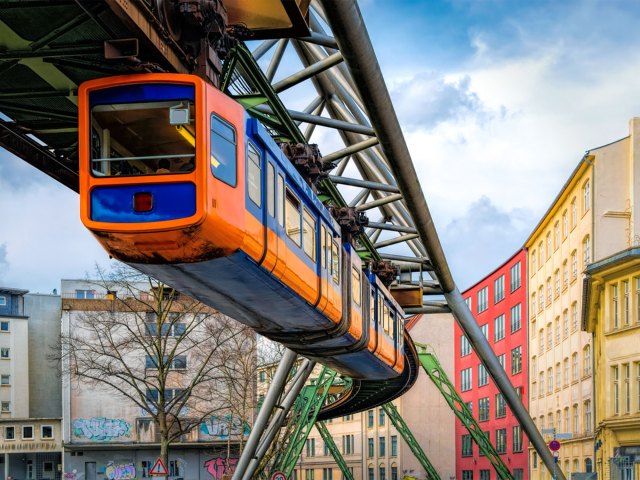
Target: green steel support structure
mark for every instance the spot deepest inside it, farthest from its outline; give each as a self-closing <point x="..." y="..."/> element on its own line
<point x="393" y="414"/>
<point x="437" y="375"/>
<point x="303" y="416"/>
<point x="333" y="448"/>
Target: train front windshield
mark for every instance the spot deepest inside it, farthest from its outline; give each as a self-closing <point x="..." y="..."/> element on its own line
<point x="143" y="138"/>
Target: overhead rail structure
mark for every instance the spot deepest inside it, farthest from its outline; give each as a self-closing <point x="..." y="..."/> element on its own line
<point x="319" y="81"/>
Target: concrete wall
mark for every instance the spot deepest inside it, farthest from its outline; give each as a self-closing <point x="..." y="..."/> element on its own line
<point x="17" y="366"/>
<point x="424" y="409"/>
<point x="45" y="391"/>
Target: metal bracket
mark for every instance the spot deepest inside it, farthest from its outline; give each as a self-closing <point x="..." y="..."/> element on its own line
<point x="351" y="222"/>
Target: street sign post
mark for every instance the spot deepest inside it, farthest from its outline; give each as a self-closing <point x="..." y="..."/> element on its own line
<point x="554" y="446"/>
<point x="159" y="468"/>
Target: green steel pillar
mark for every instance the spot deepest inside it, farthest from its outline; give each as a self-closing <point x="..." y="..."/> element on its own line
<point x="392" y="412"/>
<point x="303" y="416"/>
<point x="333" y="448"/>
<point x="433" y="368"/>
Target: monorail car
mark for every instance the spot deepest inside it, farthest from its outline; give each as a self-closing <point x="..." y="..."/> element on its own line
<point x="177" y="180"/>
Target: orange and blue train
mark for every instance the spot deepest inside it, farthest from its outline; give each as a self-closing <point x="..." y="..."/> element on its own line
<point x="177" y="180"/>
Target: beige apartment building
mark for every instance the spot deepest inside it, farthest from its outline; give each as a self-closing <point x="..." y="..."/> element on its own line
<point x="592" y="217"/>
<point x="370" y="444"/>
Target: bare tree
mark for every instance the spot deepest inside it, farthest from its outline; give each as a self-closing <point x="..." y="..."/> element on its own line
<point x="166" y="353"/>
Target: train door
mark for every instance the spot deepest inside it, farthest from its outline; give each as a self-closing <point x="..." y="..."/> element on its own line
<point x="373" y="320"/>
<point x="280" y="246"/>
<point x="323" y="271"/>
<point x="255" y="240"/>
<point x="271" y="223"/>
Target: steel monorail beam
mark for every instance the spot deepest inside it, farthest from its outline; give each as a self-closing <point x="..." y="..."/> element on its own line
<point x="350" y="32"/>
<point x="350" y="150"/>
<point x="307" y="72"/>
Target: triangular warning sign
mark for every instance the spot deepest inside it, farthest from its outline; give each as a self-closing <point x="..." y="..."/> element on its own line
<point x="159" y="468"/>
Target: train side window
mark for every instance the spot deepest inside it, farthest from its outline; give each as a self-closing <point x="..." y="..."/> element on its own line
<point x="356" y="293"/>
<point x="254" y="185"/>
<point x="385" y="318"/>
<point x="309" y="234"/>
<point x="335" y="262"/>
<point x="223" y="150"/>
<point x="372" y="308"/>
<point x="271" y="201"/>
<point x="293" y="217"/>
<point x="281" y="200"/>
<point x="323" y="244"/>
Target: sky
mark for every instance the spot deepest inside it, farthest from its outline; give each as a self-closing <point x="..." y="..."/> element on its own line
<point x="498" y="101"/>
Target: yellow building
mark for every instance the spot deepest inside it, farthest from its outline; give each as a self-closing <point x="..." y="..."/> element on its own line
<point x="612" y="316"/>
<point x="591" y="218"/>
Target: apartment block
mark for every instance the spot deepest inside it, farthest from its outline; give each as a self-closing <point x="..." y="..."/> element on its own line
<point x="592" y="218"/>
<point x="30" y="409"/>
<point x="499" y="305"/>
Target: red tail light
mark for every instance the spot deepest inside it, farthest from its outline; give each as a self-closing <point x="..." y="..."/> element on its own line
<point x="142" y="202"/>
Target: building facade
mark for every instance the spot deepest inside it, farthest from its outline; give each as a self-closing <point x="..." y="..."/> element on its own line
<point x="612" y="316"/>
<point x="592" y="218"/>
<point x="30" y="433"/>
<point x="108" y="435"/>
<point x="499" y="304"/>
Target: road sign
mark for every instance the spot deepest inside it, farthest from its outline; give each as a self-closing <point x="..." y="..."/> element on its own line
<point x="564" y="436"/>
<point x="159" y="468"/>
<point x="548" y="431"/>
<point x="278" y="476"/>
<point x="556" y="454"/>
<point x="554" y="445"/>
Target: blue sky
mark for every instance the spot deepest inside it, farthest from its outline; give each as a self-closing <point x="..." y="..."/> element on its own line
<point x="498" y="101"/>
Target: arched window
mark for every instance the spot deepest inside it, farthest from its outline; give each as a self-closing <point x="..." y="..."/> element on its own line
<point x="588" y="465"/>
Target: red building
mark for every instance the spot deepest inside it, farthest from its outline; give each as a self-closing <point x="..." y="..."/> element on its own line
<point x="499" y="304"/>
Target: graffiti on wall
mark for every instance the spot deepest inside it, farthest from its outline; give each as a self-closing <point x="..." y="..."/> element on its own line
<point x="219" y="427"/>
<point x="217" y="467"/>
<point x="99" y="429"/>
<point x="120" y="472"/>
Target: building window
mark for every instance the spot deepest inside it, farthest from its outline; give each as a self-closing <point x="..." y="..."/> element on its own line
<point x="517" y="439"/>
<point x="394" y="445"/>
<point x="514" y="277"/>
<point x="501" y="360"/>
<point x="327" y="474"/>
<point x="498" y="328"/>
<point x="549" y="290"/>
<point x="541" y="341"/>
<point x="540" y="298"/>
<point x="586" y="197"/>
<point x="587" y="416"/>
<point x="498" y="289"/>
<point x="4" y="326"/>
<point x="556" y="235"/>
<point x="483" y="377"/>
<point x="466" y="377"/>
<point x="576" y="420"/>
<point x="556" y="282"/>
<point x="5" y="407"/>
<point x="627" y="388"/>
<point x="3" y="301"/>
<point x="615" y="398"/>
<point x="467" y="474"/>
<point x="485" y="330"/>
<point x="469" y="302"/>
<point x="5" y="353"/>
<point x="516" y="360"/>
<point x="557" y="328"/>
<point x="586" y="251"/>
<point x="381" y="447"/>
<point x="5" y="379"/>
<point x="309" y="474"/>
<point x="381" y="418"/>
<point x="533" y="303"/>
<point x="548" y="245"/>
<point x="85" y="294"/>
<point x="485" y="474"/>
<point x="625" y="306"/>
<point x="549" y="336"/>
<point x="574" y="366"/>
<point x="565" y="274"/>
<point x="549" y="380"/>
<point x="615" y="311"/>
<point x="574" y="212"/>
<point x="467" y="446"/>
<point x="46" y="431"/>
<point x="516" y="318"/>
<point x="348" y="445"/>
<point x="370" y="448"/>
<point x="465" y="346"/>
<point x="382" y="473"/>
<point x="565" y="323"/>
<point x="394" y="472"/>
<point x="483" y="409"/>
<point x="541" y="378"/>
<point x="574" y="265"/>
<point x="534" y="257"/>
<point x="370" y="419"/>
<point x="483" y="299"/>
<point x="27" y="432"/>
<point x="501" y="406"/>
<point x="371" y="474"/>
<point x="9" y="433"/>
<point x="587" y="360"/>
<point x="501" y="440"/>
<point x="311" y="447"/>
<point x="574" y="316"/>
